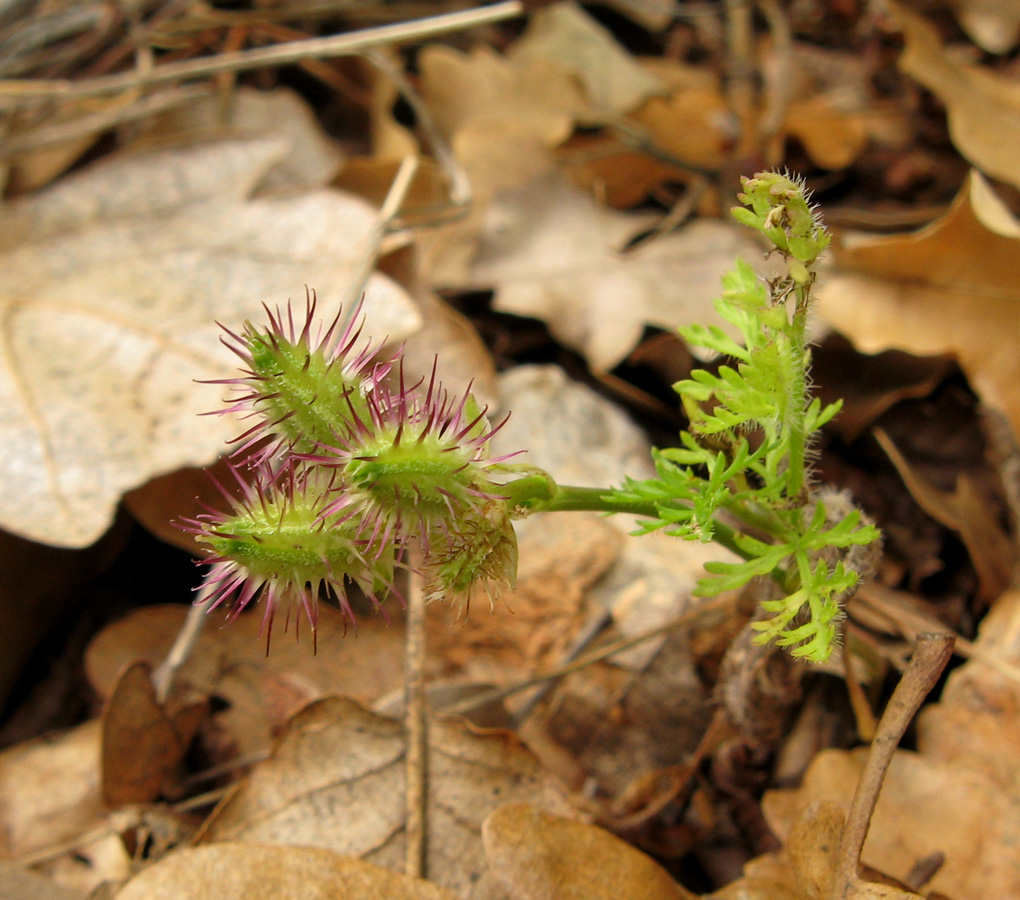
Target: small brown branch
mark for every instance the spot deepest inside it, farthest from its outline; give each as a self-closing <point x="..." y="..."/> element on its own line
<point x="415" y="726"/>
<point x="387" y="213"/>
<point x="929" y="659"/>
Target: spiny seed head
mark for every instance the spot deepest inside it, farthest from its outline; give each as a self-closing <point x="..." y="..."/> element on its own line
<point x="354" y="470"/>
<point x="482" y="551"/>
<point x="300" y="380"/>
<point x="276" y="544"/>
<point x="418" y="459"/>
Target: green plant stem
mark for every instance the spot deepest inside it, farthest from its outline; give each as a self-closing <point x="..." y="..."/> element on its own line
<point x="798" y="439"/>
<point x="537" y="493"/>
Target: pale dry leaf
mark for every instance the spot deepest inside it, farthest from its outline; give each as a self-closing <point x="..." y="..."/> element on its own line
<point x="503" y="119"/>
<point x="983" y="108"/>
<point x="539" y="856"/>
<point x="564" y="34"/>
<point x="232" y="871"/>
<point x="32" y="814"/>
<point x="336" y="780"/>
<point x="313" y="158"/>
<point x="994" y="25"/>
<point x="486" y="93"/>
<point x="553" y="253"/>
<point x="113" y="283"/>
<point x="950" y="288"/>
<point x="594" y="442"/>
<point x="23" y="884"/>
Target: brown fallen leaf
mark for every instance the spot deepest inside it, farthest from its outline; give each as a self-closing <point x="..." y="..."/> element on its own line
<point x="32" y="813"/>
<point x="336" y="780"/>
<point x="261" y="692"/>
<point x="113" y="281"/>
<point x="977" y="722"/>
<point x="552" y="252"/>
<point x="230" y="871"/>
<point x="564" y="34"/>
<point x="538" y="856"/>
<point x="501" y="116"/>
<point x="968" y="512"/>
<point x="805" y="868"/>
<point x="833" y="137"/>
<point x="950" y="288"/>
<point x="693" y="125"/>
<point x="926" y="806"/>
<point x="503" y="119"/>
<point x="983" y="108"/>
<point x="142" y="743"/>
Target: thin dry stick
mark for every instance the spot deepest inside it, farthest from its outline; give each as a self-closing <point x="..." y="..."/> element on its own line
<point x="415" y="724"/>
<point x="740" y="75"/>
<point x="261" y="57"/>
<point x="458" y="184"/>
<point x="779" y="86"/>
<point x="391" y="206"/>
<point x="929" y="659"/>
<point x="184" y="643"/>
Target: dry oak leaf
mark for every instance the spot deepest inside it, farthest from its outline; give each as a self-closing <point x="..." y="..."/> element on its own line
<point x="502" y="116"/>
<point x="539" y="856"/>
<point x="983" y="109"/>
<point x="564" y="34"/>
<point x="336" y="780"/>
<point x="949" y="288"/>
<point x="113" y="280"/>
<point x="503" y="119"/>
<point x="553" y="253"/>
<point x="232" y="871"/>
<point x="926" y="806"/>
